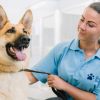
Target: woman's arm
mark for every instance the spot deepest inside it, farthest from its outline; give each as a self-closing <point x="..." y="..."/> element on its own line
<point x="77" y="94"/>
<point x="31" y="78"/>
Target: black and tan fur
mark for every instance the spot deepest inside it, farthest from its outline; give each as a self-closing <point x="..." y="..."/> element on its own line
<point x="14" y="44"/>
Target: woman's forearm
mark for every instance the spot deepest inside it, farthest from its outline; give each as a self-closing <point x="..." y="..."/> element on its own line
<point x="78" y="94"/>
<point x="31" y="78"/>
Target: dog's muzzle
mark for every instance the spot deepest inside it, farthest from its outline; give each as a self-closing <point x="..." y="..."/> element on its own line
<point x="15" y="49"/>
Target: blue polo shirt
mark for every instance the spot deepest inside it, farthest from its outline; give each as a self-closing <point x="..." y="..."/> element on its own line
<point x="68" y="61"/>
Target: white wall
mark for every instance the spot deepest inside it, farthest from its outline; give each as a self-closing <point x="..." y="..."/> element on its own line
<point x="15" y="8"/>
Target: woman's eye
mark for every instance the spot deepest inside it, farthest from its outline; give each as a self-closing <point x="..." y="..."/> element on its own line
<point x="82" y="20"/>
<point x="90" y="25"/>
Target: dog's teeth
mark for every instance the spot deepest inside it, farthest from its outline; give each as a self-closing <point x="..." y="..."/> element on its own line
<point x="11" y="49"/>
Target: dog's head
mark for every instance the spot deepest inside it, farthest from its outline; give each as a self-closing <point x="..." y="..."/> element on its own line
<point x="14" y="41"/>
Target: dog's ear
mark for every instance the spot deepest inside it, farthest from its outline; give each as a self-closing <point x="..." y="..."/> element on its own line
<point x="27" y="20"/>
<point x="3" y="17"/>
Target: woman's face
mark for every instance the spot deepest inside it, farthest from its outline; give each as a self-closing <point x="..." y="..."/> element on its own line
<point x="89" y="25"/>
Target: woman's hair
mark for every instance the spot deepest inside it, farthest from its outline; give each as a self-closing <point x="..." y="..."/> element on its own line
<point x="95" y="6"/>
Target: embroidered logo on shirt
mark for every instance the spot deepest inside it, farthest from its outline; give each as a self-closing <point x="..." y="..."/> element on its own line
<point x="90" y="76"/>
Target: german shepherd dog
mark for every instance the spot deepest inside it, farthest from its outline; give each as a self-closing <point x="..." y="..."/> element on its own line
<point x="14" y="42"/>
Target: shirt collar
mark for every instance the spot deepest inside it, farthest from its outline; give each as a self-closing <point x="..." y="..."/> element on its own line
<point x="98" y="54"/>
<point x="75" y="46"/>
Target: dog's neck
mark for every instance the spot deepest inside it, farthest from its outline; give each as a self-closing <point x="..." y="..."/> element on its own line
<point x="8" y="68"/>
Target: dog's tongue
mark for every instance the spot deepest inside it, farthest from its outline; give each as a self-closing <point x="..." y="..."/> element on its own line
<point x="20" y="55"/>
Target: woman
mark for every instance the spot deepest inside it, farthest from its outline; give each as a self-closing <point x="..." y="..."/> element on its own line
<point x="75" y="65"/>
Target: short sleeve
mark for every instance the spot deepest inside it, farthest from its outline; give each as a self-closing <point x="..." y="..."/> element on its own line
<point x="48" y="63"/>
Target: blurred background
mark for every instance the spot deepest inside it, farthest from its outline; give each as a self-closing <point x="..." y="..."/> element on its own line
<point x="54" y="21"/>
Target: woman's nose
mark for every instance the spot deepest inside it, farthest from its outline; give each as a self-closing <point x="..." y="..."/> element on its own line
<point x="82" y="26"/>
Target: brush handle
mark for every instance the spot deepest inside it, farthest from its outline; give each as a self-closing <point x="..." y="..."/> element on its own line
<point x="28" y="70"/>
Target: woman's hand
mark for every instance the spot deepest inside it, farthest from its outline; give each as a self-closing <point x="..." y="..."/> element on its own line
<point x="56" y="82"/>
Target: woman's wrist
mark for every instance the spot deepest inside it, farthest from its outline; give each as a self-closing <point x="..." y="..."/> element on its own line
<point x="64" y="86"/>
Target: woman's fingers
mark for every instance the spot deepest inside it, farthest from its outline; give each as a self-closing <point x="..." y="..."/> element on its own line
<point x="50" y="76"/>
<point x="50" y="83"/>
<point x="50" y="80"/>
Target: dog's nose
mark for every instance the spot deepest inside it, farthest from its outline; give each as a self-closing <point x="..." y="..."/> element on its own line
<point x="22" y="42"/>
<point x="25" y="39"/>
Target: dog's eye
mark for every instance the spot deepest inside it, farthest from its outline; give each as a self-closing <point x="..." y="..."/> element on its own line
<point x="12" y="30"/>
<point x="25" y="31"/>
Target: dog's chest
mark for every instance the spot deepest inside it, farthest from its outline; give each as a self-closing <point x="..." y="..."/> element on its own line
<point x="13" y="86"/>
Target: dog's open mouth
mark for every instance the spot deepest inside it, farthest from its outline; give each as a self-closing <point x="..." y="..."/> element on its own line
<point x="15" y="53"/>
